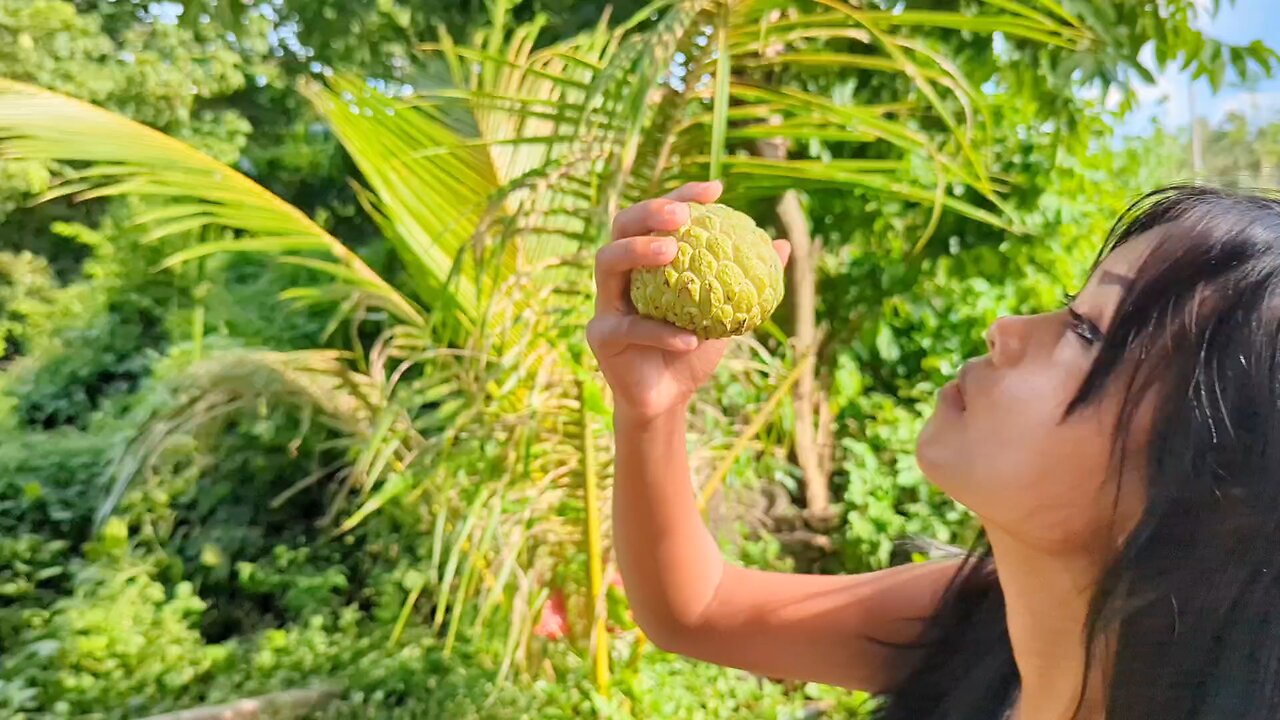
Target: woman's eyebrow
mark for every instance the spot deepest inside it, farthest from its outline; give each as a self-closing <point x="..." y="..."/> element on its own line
<point x="1107" y="277"/>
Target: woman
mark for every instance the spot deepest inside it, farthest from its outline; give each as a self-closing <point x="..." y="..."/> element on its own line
<point x="1122" y="454"/>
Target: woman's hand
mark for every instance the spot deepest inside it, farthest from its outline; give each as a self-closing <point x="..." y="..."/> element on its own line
<point x="652" y="366"/>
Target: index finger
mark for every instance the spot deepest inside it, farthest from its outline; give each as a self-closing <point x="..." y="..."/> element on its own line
<point x="615" y="261"/>
<point x="702" y="192"/>
<point x="666" y="213"/>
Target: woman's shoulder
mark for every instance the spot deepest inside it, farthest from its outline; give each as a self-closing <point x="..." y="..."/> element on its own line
<point x="967" y="671"/>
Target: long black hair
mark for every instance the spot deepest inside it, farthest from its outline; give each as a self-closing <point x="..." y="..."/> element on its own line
<point x="1192" y="597"/>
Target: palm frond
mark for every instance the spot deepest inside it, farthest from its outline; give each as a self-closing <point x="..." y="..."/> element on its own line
<point x="316" y="383"/>
<point x="428" y="207"/>
<point x="128" y="158"/>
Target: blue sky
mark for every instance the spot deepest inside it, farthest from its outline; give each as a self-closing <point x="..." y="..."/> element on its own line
<point x="1243" y="22"/>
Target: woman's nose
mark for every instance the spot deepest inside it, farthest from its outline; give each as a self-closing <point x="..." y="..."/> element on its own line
<point x="1007" y="340"/>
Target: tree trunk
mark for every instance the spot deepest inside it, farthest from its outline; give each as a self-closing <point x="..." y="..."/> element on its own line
<point x="284" y="704"/>
<point x="813" y="415"/>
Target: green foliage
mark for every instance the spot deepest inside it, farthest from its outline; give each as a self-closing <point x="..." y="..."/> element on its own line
<point x="118" y="638"/>
<point x="391" y="517"/>
<point x="287" y="573"/>
<point x="43" y="479"/>
<point x="1241" y="153"/>
<point x="26" y="285"/>
<point x="32" y="570"/>
<point x="78" y="344"/>
<point x="157" y="73"/>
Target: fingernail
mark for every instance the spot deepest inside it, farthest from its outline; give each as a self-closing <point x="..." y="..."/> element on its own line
<point x="677" y="212"/>
<point x="662" y="248"/>
<point x="689" y="342"/>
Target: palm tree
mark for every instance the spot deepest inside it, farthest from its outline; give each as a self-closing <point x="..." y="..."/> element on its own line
<point x="478" y="396"/>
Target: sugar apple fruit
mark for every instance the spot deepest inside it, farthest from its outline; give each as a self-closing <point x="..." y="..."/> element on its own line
<point x="725" y="280"/>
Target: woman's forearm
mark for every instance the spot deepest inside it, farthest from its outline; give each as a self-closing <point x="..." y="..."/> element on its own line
<point x="669" y="561"/>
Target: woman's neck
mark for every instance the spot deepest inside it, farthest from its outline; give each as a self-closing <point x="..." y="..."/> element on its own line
<point x="1046" y="605"/>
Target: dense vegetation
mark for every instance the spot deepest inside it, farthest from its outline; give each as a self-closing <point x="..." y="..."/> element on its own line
<point x="298" y="396"/>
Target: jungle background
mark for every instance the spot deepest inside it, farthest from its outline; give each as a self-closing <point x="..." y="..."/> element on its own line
<point x="295" y="399"/>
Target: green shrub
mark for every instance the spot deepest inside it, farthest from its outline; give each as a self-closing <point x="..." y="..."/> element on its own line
<point x="118" y="643"/>
<point x="47" y="482"/>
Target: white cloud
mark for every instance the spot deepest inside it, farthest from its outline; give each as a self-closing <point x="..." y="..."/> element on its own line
<point x="1169" y="89"/>
<point x="1257" y="106"/>
<point x="1166" y="98"/>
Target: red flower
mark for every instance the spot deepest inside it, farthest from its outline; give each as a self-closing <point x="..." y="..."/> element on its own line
<point x="553" y="624"/>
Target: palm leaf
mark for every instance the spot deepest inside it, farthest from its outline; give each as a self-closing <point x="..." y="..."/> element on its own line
<point x="129" y="158"/>
<point x="428" y="207"/>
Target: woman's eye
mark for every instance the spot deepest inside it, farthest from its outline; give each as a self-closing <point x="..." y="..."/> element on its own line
<point x="1084" y="328"/>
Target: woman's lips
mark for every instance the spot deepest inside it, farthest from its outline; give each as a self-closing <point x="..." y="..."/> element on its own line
<point x="952" y="395"/>
<point x="953" y="392"/>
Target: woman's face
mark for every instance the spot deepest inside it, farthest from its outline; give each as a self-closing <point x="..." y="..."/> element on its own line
<point x="998" y="443"/>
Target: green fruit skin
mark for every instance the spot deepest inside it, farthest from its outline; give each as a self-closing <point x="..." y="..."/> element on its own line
<point x="725" y="280"/>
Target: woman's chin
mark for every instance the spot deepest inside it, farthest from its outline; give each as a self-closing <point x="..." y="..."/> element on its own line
<point x="935" y="426"/>
<point x="937" y="435"/>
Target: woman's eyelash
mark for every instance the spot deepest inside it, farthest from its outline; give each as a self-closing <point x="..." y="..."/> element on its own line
<point x="1084" y="328"/>
<point x="1081" y="326"/>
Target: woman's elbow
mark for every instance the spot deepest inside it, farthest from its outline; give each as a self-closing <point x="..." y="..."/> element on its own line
<point x="665" y="630"/>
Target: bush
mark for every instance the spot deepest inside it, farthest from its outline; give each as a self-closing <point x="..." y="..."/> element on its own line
<point x="46" y="482"/>
<point x="120" y="643"/>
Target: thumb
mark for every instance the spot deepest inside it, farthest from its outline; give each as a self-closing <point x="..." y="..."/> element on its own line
<point x="784" y="250"/>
